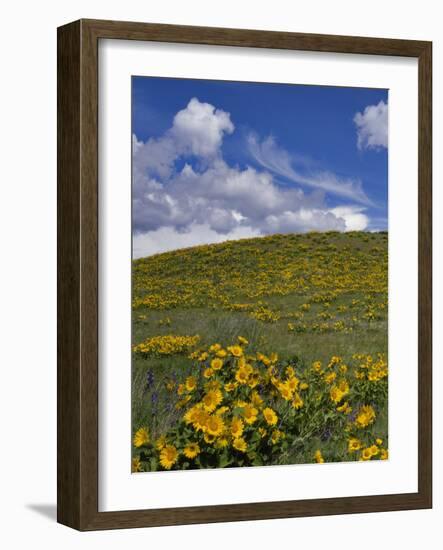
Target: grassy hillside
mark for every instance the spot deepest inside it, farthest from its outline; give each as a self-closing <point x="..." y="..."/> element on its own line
<point x="310" y="296"/>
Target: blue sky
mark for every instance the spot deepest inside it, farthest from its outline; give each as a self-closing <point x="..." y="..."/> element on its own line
<point x="215" y="160"/>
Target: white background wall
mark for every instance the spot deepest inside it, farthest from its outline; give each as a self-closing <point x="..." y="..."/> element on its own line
<point x="28" y="269"/>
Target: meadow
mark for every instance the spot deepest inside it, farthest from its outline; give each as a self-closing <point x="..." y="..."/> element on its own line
<point x="270" y="350"/>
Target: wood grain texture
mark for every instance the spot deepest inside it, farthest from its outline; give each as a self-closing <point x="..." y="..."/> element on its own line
<point x="68" y="276"/>
<point x="254" y="38"/>
<point x="425" y="274"/>
<point x="78" y="274"/>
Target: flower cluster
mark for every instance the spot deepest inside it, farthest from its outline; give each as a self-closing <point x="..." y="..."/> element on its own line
<point x="265" y="314"/>
<point x="166" y="345"/>
<point x="374" y="451"/>
<point x="240" y="408"/>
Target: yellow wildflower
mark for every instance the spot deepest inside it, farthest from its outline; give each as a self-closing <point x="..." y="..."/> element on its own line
<point x="249" y="414"/>
<point x="292" y="383"/>
<point x="168" y="456"/>
<point x="210" y="438"/>
<point x="330" y="377"/>
<point x="285" y="391"/>
<point x="319" y="457"/>
<point x="136" y="465"/>
<point x="338" y="391"/>
<point x="242" y="375"/>
<point x="212" y="399"/>
<point x="270" y="416"/>
<point x="215" y="425"/>
<point x="190" y="383"/>
<point x="365" y="416"/>
<point x="345" y="407"/>
<point x="189" y="417"/>
<point x="335" y="360"/>
<point x="212" y="385"/>
<point x="316" y="366"/>
<point x="240" y="444"/>
<point x="354" y="445"/>
<point x="237" y="427"/>
<point x="262" y="432"/>
<point x="290" y="372"/>
<point x="200" y="419"/>
<point x="366" y="454"/>
<point x="297" y="402"/>
<point x="256" y="400"/>
<point x="183" y="402"/>
<point x="276" y="436"/>
<point x="374" y="450"/>
<point x="273" y="358"/>
<point x="236" y="351"/>
<point x="141" y="437"/>
<point x="191" y="450"/>
<point x="216" y="364"/>
<point x="254" y="379"/>
<point x="222" y="442"/>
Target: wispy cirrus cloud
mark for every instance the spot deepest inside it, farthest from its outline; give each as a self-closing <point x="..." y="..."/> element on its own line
<point x="279" y="161"/>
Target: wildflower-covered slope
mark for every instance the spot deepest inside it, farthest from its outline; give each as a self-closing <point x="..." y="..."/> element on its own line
<point x="318" y="293"/>
<point x="300" y="299"/>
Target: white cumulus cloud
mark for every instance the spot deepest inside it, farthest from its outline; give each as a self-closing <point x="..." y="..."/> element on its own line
<point x="353" y="217"/>
<point x="196" y="130"/>
<point x="199" y="129"/>
<point x="167" y="238"/>
<point x="203" y="199"/>
<point x="372" y="127"/>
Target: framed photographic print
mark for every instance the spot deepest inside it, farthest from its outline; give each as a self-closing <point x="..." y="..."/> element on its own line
<point x="244" y="275"/>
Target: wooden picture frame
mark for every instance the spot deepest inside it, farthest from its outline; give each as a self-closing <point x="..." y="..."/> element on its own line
<point x="78" y="274"/>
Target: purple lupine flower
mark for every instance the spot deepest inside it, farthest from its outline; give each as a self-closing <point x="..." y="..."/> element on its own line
<point x="149" y="379"/>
